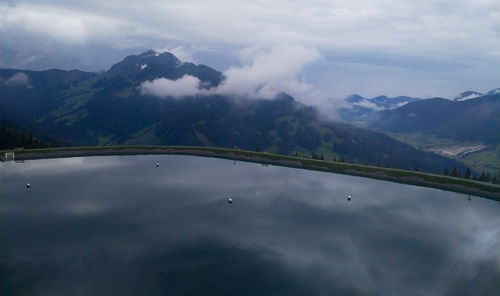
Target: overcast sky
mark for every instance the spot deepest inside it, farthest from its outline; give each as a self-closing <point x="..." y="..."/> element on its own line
<point x="320" y="49"/>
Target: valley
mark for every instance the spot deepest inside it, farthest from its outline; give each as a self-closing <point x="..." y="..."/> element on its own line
<point x="458" y="151"/>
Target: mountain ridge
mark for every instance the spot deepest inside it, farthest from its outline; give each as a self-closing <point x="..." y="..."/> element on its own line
<point x="109" y="109"/>
<point x="475" y="119"/>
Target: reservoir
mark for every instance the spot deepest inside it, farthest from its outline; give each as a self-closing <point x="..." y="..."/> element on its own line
<point x="125" y="225"/>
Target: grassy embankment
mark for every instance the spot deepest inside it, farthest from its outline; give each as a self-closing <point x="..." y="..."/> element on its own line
<point x="460" y="185"/>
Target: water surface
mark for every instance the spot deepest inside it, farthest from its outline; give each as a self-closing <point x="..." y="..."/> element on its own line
<point x="119" y="225"/>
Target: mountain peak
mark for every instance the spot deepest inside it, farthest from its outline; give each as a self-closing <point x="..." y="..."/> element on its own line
<point x="151" y="65"/>
<point x="152" y="54"/>
<point x="150" y="59"/>
<point x="467" y="95"/>
<point x="149" y="53"/>
<point x="355" y="98"/>
<point x="493" y="92"/>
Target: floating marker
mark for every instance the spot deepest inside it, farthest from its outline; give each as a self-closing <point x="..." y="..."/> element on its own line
<point x="468" y="198"/>
<point x="349" y="198"/>
<point x="229" y="200"/>
<point x="157" y="164"/>
<point x="28" y="185"/>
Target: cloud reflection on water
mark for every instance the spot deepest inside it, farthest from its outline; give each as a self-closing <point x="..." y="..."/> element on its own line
<point x="118" y="225"/>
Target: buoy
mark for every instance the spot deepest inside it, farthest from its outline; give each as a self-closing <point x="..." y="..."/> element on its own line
<point x="229" y="200"/>
<point x="28" y="185"/>
<point x="349" y="198"/>
<point x="157" y="164"/>
<point x="468" y="198"/>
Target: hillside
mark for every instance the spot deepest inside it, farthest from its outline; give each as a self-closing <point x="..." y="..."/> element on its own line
<point x="476" y="119"/>
<point x="109" y="109"/>
<point x="467" y="128"/>
<point x="12" y="136"/>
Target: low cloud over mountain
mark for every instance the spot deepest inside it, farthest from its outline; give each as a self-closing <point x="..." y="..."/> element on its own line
<point x="19" y="79"/>
<point x="264" y="73"/>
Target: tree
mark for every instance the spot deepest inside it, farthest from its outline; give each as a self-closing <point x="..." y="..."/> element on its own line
<point x="416" y="169"/>
<point x="445" y="172"/>
<point x="467" y="174"/>
<point x="483" y="177"/>
<point x="454" y="172"/>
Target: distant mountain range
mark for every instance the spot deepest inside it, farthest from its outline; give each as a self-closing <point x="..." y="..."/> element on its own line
<point x="470" y="94"/>
<point x="361" y="111"/>
<point x="358" y="109"/>
<point x="472" y="119"/>
<point x="81" y="108"/>
<point x="382" y="102"/>
<point x="467" y="95"/>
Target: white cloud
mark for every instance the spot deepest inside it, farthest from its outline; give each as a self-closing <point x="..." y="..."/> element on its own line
<point x="19" y="79"/>
<point x="161" y="87"/>
<point x="449" y="45"/>
<point x="267" y="72"/>
<point x="419" y="27"/>
<point x="471" y="96"/>
<point x="263" y="75"/>
<point x="368" y="104"/>
<point x="181" y="52"/>
<point x="67" y="25"/>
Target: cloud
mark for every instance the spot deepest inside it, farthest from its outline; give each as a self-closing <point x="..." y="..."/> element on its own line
<point x="19" y="79"/>
<point x="430" y="47"/>
<point x="161" y="87"/>
<point x="264" y="73"/>
<point x="393" y="26"/>
<point x="267" y="72"/>
<point x="57" y="23"/>
<point x="181" y="52"/>
<point x="368" y="104"/>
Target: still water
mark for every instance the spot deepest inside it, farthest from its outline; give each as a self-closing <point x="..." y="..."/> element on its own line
<point x="120" y="225"/>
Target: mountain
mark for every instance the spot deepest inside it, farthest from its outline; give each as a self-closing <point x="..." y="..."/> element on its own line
<point x="476" y="119"/>
<point x="150" y="65"/>
<point x="493" y="92"/>
<point x="109" y="108"/>
<point x="354" y="98"/>
<point x="467" y="95"/>
<point x="391" y="103"/>
<point x="359" y="110"/>
<point x="27" y="95"/>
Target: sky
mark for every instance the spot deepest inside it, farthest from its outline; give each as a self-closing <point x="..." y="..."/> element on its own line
<point x="315" y="50"/>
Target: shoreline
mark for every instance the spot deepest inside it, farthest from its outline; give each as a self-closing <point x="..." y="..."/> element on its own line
<point x="486" y="190"/>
